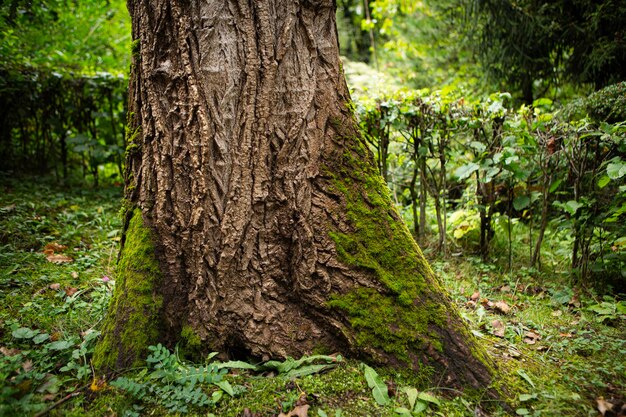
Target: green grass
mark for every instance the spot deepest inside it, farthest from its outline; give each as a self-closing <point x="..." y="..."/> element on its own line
<point x="50" y="315"/>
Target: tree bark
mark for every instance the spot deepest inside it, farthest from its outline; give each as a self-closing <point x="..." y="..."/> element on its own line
<point x="273" y="232"/>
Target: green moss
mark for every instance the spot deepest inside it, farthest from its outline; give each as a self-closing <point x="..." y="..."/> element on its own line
<point x="135" y="47"/>
<point x="382" y="322"/>
<point x="401" y="319"/>
<point x="134" y="314"/>
<point x="190" y="344"/>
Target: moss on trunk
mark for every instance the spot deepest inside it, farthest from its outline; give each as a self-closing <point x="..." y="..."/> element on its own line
<point x="134" y="317"/>
<point x="411" y="323"/>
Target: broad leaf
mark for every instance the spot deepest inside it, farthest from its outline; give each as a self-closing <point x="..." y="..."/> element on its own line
<point x="378" y="386"/>
<point x="424" y="396"/>
<point x="24" y="333"/>
<point x="521" y="202"/>
<point x="226" y="387"/>
<point x="466" y="170"/>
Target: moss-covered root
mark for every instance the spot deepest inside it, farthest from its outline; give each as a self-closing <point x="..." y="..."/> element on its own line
<point x="132" y="323"/>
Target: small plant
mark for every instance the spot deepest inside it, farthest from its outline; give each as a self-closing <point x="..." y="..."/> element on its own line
<point x="177" y="386"/>
<point x="174" y="385"/>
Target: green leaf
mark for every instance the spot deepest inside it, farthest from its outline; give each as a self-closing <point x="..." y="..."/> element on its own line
<point x="616" y="170"/>
<point x="411" y="393"/>
<point x="604" y="181"/>
<point x="466" y="170"/>
<point x="226" y="387"/>
<point x="24" y="333"/>
<point x="527" y="397"/>
<point x="379" y="388"/>
<point x="555" y="185"/>
<point x="571" y="206"/>
<point x="424" y="396"/>
<point x="403" y="411"/>
<point x="236" y="365"/>
<point x="60" y="345"/>
<point x="522" y="412"/>
<point x="525" y="377"/>
<point x="321" y="413"/>
<point x="521" y="202"/>
<point x="40" y="338"/>
<point x="308" y="370"/>
<point x="420" y="407"/>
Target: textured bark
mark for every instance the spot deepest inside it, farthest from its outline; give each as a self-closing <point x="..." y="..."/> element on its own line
<point x="242" y="124"/>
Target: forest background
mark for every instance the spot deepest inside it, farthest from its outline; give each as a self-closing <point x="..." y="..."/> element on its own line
<point x="499" y="127"/>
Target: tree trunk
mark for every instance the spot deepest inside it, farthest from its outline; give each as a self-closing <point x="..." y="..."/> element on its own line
<point x="256" y="222"/>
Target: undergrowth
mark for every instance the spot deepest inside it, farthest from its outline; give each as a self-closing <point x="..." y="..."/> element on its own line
<point x="559" y="346"/>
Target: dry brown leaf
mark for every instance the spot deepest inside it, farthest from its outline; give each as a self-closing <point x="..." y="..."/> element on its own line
<point x="471" y="304"/>
<point x="568" y="335"/>
<point x="69" y="291"/>
<point x="54" y="247"/>
<point x="486" y="303"/>
<point x="59" y="258"/>
<point x="505" y="288"/>
<point x="8" y="351"/>
<point x="502" y="307"/>
<point x="27" y="365"/>
<point x="603" y="405"/>
<point x="475" y="296"/>
<point x="74" y="274"/>
<point x="498" y="328"/>
<point x="56" y="286"/>
<point x="531" y="337"/>
<point x="298" y="411"/>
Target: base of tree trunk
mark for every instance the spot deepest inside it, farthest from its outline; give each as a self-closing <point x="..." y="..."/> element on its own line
<point x="393" y="310"/>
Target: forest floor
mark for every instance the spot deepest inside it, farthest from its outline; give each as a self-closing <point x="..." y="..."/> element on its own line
<point x="561" y="347"/>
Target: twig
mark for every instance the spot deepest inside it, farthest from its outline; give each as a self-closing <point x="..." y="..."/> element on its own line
<point x="61" y="401"/>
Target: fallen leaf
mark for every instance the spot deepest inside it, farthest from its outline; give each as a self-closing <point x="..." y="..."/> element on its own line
<point x="603" y="405"/>
<point x="471" y="304"/>
<point x="568" y="335"/>
<point x="97" y="385"/>
<point x="498" y="328"/>
<point x="56" y="286"/>
<point x="54" y="247"/>
<point x="69" y="291"/>
<point x="9" y="208"/>
<point x="74" y="274"/>
<point x="49" y="397"/>
<point x="502" y="307"/>
<point x="8" y="351"/>
<point x="475" y="296"/>
<point x="531" y="337"/>
<point x="27" y="365"/>
<point x="59" y="258"/>
<point x="298" y="411"/>
<point x="574" y="302"/>
<point x="514" y="353"/>
<point x="505" y="288"/>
